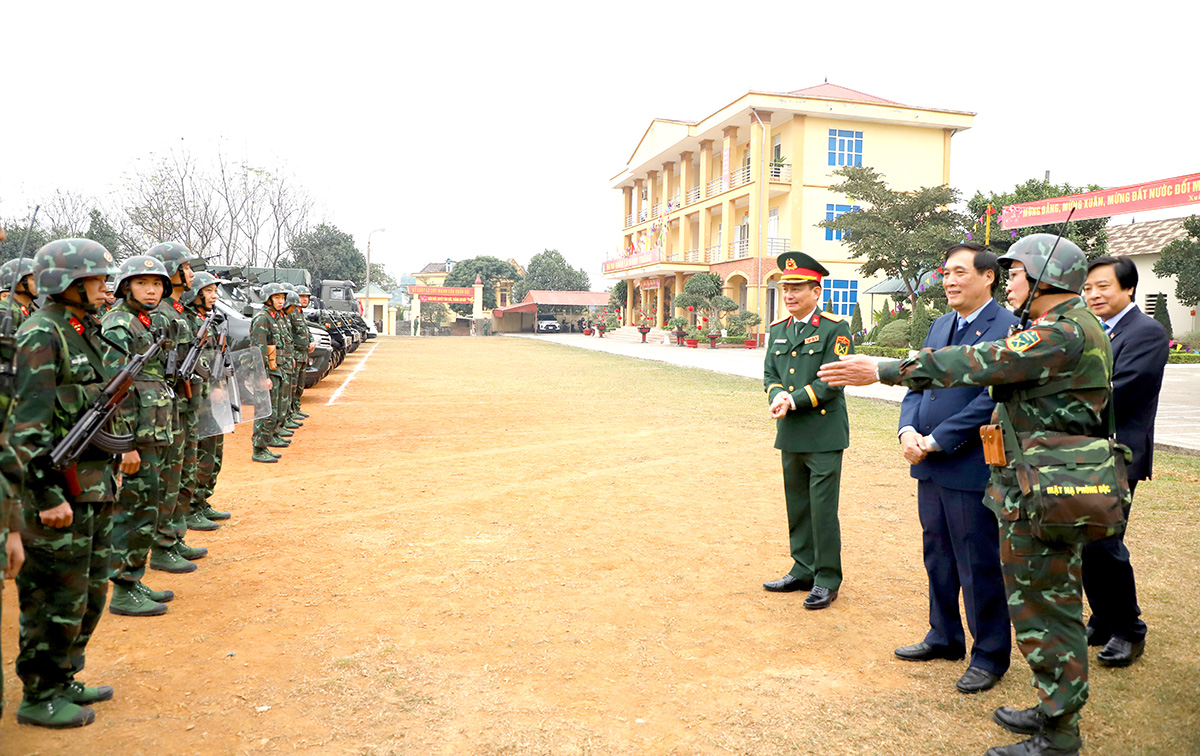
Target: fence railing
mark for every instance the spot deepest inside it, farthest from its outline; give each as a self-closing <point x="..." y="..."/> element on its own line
<point x="740" y="176"/>
<point x="779" y="172"/>
<point x="739" y="249"/>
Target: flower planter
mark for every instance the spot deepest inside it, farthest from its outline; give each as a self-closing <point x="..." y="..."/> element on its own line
<point x="601" y="330"/>
<point x="587" y="331"/>
<point x="750" y="343"/>
<point x="691" y="343"/>
<point x="679" y="337"/>
<point x="712" y="340"/>
<point x="643" y="330"/>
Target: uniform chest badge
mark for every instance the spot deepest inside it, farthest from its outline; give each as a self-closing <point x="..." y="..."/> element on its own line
<point x="1020" y="342"/>
<point x="812" y="339"/>
<point x="144" y="319"/>
<point x="841" y="345"/>
<point x="178" y="307"/>
<point x="76" y="325"/>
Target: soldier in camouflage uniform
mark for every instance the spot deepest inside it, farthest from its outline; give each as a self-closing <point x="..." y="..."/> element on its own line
<point x="12" y="552"/>
<point x="302" y="345"/>
<point x="20" y="269"/>
<point x="1052" y="379"/>
<point x="265" y="333"/>
<point x="170" y="553"/>
<point x="199" y="303"/>
<point x="303" y="295"/>
<point x="285" y="427"/>
<point x="130" y="327"/>
<point x="64" y="582"/>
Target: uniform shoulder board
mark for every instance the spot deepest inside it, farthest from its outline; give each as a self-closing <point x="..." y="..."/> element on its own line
<point x="831" y="316"/>
<point x="777" y="322"/>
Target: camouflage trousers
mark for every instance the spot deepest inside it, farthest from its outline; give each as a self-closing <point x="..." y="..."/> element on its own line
<point x="135" y="515"/>
<point x="1044" y="584"/>
<point x="188" y="473"/>
<point x="297" y="387"/>
<point x="264" y="428"/>
<point x="61" y="591"/>
<point x="171" y="527"/>
<point x="211" y="451"/>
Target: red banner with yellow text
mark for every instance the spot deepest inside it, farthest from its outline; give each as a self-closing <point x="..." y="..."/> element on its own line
<point x="1153" y="195"/>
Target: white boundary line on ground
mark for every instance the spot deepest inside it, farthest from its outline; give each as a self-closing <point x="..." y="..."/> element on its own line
<point x="350" y="377"/>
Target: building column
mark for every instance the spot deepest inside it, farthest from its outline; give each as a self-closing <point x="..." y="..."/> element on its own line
<point x="669" y="183"/>
<point x="728" y="149"/>
<point x="687" y="175"/>
<point x="660" y="316"/>
<point x="655" y="195"/>
<point x="627" y="317"/>
<point x="705" y="230"/>
<point x="681" y="237"/>
<point x="706" y="169"/>
<point x="679" y="311"/>
<point x="627" y="191"/>
<point x="760" y="195"/>
<point x="729" y="221"/>
<point x="638" y="185"/>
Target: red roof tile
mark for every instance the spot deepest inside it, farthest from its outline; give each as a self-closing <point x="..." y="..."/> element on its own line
<point x="834" y="92"/>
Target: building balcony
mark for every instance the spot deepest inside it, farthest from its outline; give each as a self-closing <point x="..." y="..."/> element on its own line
<point x="628" y="220"/>
<point x="780" y="172"/>
<point x="739" y="177"/>
<point x="739" y="249"/>
<point x="693" y="195"/>
<point x="716" y="186"/>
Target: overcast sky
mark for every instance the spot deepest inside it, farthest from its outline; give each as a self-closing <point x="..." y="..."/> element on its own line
<point x="493" y="128"/>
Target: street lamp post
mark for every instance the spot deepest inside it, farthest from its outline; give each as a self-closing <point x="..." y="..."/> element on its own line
<point x="367" y="292"/>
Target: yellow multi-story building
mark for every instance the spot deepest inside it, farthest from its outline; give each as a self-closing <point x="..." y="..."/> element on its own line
<point x="731" y="192"/>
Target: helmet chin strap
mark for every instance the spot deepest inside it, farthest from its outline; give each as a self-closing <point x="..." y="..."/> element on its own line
<point x="84" y="302"/>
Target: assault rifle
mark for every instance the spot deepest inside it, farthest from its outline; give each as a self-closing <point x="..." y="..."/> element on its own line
<point x="89" y="429"/>
<point x="188" y="368"/>
<point x="224" y="369"/>
<point x="8" y="340"/>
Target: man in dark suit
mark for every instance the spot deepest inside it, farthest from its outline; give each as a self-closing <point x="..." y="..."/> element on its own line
<point x="812" y="428"/>
<point x="1139" y="345"/>
<point x="939" y="437"/>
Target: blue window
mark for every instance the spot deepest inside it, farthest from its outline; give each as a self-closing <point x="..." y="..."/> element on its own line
<point x="840" y="295"/>
<point x="833" y="211"/>
<point x="845" y="147"/>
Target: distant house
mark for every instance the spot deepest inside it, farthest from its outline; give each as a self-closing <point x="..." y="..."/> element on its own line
<point x="1143" y="242"/>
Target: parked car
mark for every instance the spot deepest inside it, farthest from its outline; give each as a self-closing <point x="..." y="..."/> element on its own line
<point x="547" y="324"/>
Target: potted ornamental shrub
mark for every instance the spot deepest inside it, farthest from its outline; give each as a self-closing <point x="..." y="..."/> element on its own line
<point x="611" y="323"/>
<point x="678" y="326"/>
<point x="745" y="324"/>
<point x="644" y="321"/>
<point x="702" y="293"/>
<point x="694" y="334"/>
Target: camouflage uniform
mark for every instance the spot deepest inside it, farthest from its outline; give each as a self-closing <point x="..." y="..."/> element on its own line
<point x="180" y="460"/>
<point x="301" y="338"/>
<point x="282" y="407"/>
<point x="265" y="333"/>
<point x="209" y="449"/>
<point x="1065" y="350"/>
<point x="129" y="330"/>
<point x="63" y="586"/>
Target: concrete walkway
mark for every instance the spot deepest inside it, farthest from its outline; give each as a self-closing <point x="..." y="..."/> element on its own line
<point x="1177" y="426"/>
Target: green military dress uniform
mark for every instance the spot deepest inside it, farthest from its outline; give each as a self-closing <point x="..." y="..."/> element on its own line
<point x="811" y="438"/>
<point x="1053" y="379"/>
<point x="129" y="330"/>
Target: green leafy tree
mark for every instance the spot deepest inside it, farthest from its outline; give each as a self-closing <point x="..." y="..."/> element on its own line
<point x="616" y="295"/>
<point x="490" y="270"/>
<point x="15" y="228"/>
<point x="327" y="252"/>
<point x="101" y="231"/>
<point x="1180" y="258"/>
<point x="703" y="292"/>
<point x="549" y="271"/>
<point x="434" y="312"/>
<point x="918" y="325"/>
<point x="856" y="325"/>
<point x="898" y="234"/>
<point x="894" y="334"/>
<point x="380" y="278"/>
<point x="1162" y="315"/>
<point x="1090" y="235"/>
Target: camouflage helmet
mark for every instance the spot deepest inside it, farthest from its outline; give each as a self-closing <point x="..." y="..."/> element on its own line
<point x="1067" y="270"/>
<point x="292" y="299"/>
<point x="13" y="271"/>
<point x="60" y="263"/>
<point x="173" y="254"/>
<point x="288" y="286"/>
<point x="202" y="279"/>
<point x="303" y="291"/>
<point x="271" y="289"/>
<point x="140" y="265"/>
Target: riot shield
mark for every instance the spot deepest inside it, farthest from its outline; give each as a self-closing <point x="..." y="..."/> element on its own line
<point x="250" y="389"/>
<point x="215" y="417"/>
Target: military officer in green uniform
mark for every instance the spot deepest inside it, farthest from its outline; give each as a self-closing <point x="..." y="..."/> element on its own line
<point x="811" y="430"/>
<point x="1050" y="380"/>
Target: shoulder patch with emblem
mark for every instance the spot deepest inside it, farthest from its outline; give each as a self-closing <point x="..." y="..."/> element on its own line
<point x="842" y="345"/>
<point x="777" y="322"/>
<point x="1019" y="342"/>
<point x="831" y="316"/>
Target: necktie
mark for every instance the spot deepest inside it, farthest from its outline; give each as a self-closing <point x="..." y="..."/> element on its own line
<point x="960" y="330"/>
<point x="1107" y="329"/>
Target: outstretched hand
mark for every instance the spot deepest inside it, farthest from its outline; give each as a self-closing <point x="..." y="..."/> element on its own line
<point x="850" y="370"/>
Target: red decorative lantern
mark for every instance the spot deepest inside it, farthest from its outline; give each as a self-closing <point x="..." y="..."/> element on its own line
<point x="690" y="308"/>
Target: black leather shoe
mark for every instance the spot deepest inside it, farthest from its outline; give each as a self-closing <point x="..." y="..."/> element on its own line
<point x="787" y="584"/>
<point x="819" y="597"/>
<point x="1021" y="721"/>
<point x="924" y="652"/>
<point x="1038" y="745"/>
<point x="1119" y="652"/>
<point x="976" y="680"/>
<point x="1096" y="637"/>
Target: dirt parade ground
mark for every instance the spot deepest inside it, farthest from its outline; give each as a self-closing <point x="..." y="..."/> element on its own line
<point x="502" y="546"/>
